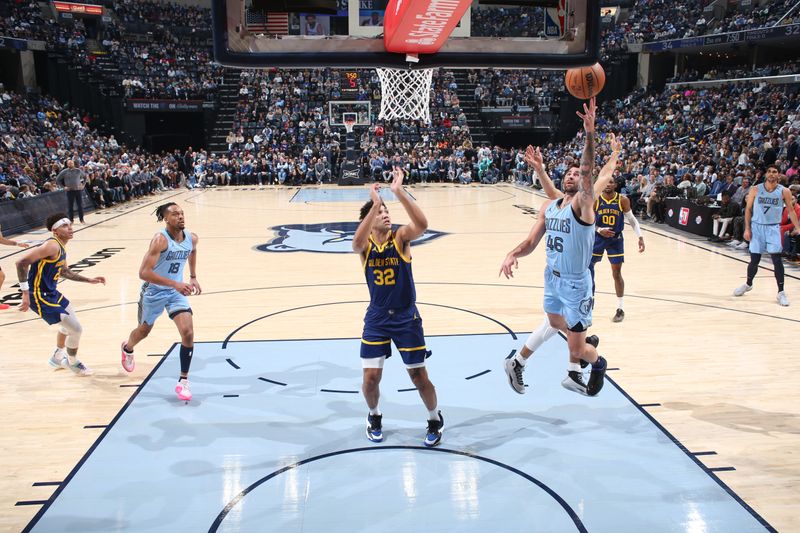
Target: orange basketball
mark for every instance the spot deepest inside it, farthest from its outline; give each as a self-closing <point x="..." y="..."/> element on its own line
<point x="585" y="82"/>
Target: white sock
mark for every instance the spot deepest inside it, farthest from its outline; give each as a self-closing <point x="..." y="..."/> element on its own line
<point x="573" y="367"/>
<point x="60" y="352"/>
<point x="375" y="411"/>
<point x="619" y="302"/>
<point x="433" y="415"/>
<point x="520" y="360"/>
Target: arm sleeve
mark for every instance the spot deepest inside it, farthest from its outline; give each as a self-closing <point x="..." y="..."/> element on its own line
<point x="634" y="223"/>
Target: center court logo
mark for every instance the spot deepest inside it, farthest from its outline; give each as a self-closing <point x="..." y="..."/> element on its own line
<point x="330" y="237"/>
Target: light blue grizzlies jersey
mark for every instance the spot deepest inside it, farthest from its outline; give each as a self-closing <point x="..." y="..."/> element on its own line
<point x="172" y="260"/>
<point x="768" y="206"/>
<point x="569" y="240"/>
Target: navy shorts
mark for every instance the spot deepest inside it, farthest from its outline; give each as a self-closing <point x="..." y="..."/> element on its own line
<point x="49" y="305"/>
<point x="401" y="326"/>
<point x="613" y="246"/>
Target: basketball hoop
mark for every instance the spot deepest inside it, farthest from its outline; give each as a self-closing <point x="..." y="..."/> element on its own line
<point x="405" y="94"/>
<point x="348" y="125"/>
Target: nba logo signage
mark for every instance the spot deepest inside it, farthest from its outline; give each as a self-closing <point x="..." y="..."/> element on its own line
<point x="683" y="217"/>
<point x="555" y="20"/>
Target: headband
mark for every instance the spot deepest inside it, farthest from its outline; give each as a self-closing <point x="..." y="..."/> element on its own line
<point x="62" y="222"/>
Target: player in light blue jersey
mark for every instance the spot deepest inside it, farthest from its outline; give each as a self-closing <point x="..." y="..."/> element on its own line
<point x="534" y="160"/>
<point x="392" y="315"/>
<point x="164" y="288"/>
<point x="568" y="225"/>
<point x="762" y="218"/>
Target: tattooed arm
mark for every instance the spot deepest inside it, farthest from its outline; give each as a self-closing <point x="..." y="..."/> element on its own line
<point x="584" y="200"/>
<point x="66" y="273"/>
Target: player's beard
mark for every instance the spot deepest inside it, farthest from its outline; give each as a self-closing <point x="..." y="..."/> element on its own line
<point x="571" y="189"/>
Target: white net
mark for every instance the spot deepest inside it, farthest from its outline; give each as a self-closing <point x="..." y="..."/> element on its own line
<point x="405" y="94"/>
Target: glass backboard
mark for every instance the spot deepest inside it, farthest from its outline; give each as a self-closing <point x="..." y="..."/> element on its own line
<point x="349" y="34"/>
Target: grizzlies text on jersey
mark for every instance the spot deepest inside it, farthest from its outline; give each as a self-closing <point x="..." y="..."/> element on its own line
<point x="765" y="223"/>
<point x="768" y="206"/>
<point x="569" y="240"/>
<point x="155" y="298"/>
<point x="567" y="279"/>
<point x="172" y="260"/>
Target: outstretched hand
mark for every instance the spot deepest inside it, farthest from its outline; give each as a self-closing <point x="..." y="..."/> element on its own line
<point x="588" y="116"/>
<point x="615" y="143"/>
<point x="534" y="158"/>
<point x="509" y="265"/>
<point x="397" y="180"/>
<point x="374" y="194"/>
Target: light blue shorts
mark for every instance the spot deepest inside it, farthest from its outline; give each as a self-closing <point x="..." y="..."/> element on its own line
<point x="152" y="304"/>
<point x="569" y="295"/>
<point x="766" y="238"/>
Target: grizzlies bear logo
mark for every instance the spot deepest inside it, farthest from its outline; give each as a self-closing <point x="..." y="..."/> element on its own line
<point x="331" y="237"/>
<point x="586" y="306"/>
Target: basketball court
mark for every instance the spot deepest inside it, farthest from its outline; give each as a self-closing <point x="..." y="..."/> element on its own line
<point x="692" y="432"/>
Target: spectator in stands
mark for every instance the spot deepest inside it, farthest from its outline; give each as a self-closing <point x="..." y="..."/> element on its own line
<point x="73" y="180"/>
<point x="727" y="212"/>
<point x="790" y="249"/>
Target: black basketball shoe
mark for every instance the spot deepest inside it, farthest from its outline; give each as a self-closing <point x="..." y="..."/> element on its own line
<point x="597" y="376"/>
<point x="434" y="434"/>
<point x="375" y="428"/>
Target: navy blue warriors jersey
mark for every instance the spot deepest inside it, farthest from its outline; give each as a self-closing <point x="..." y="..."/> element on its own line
<point x="43" y="278"/>
<point x="389" y="277"/>
<point x="608" y="214"/>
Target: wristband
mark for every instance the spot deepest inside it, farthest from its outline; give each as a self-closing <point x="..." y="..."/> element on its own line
<point x="23" y="286"/>
<point x="192" y="277"/>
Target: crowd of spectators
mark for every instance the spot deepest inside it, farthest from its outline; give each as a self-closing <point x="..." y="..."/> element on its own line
<point x="774" y="69"/>
<point x="167" y="70"/>
<point x="23" y="19"/>
<point x="38" y="136"/>
<point x="163" y="13"/>
<point x="282" y="125"/>
<point x="656" y="20"/>
<point x="507" y="22"/>
<point x="536" y="89"/>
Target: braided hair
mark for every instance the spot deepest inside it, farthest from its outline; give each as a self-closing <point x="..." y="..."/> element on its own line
<point x="161" y="210"/>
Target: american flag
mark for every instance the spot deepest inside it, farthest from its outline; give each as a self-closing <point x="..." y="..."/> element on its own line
<point x="272" y="23"/>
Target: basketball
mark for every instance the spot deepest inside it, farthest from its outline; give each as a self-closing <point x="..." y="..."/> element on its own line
<point x="585" y="82"/>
